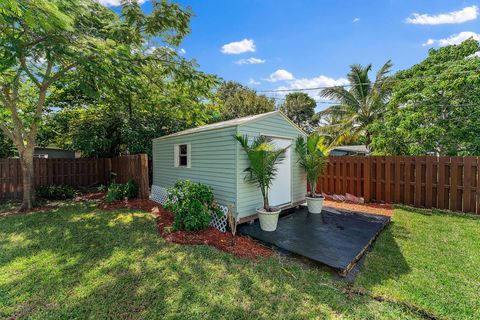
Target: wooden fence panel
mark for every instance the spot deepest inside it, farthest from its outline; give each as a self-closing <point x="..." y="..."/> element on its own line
<point x="427" y="181"/>
<point x="75" y="172"/>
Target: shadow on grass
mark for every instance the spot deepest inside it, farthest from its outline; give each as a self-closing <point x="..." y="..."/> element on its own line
<point x="385" y="260"/>
<point x="78" y="262"/>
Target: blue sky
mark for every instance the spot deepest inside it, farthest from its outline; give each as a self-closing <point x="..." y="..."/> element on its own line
<point x="314" y="42"/>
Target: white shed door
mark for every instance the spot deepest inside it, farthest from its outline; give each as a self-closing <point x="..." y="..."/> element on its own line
<point x="280" y="191"/>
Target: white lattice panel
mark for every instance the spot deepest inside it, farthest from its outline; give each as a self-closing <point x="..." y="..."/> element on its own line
<point x="220" y="223"/>
<point x="160" y="194"/>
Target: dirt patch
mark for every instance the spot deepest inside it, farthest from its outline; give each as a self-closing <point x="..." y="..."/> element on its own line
<point x="92" y="196"/>
<point x="385" y="209"/>
<point x="240" y="246"/>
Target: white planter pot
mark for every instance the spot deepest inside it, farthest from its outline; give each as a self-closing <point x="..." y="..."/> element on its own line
<point x="268" y="220"/>
<point x="315" y="205"/>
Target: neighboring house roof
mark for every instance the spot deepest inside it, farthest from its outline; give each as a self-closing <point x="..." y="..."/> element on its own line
<point x="231" y="123"/>
<point x="356" y="148"/>
<point x="49" y="148"/>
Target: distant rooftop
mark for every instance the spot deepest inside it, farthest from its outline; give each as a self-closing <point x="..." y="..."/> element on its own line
<point x="361" y="148"/>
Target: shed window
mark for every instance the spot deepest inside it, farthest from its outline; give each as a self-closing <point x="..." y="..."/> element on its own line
<point x="182" y="155"/>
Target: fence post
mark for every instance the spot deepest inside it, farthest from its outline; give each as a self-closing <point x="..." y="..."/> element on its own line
<point x="144" y="181"/>
<point x="366" y="178"/>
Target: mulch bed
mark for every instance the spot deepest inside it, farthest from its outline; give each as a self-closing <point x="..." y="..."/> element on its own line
<point x="239" y="245"/>
<point x="385" y="209"/>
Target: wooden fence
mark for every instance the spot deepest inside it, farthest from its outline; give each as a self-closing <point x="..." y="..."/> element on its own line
<point x="75" y="172"/>
<point x="427" y="181"/>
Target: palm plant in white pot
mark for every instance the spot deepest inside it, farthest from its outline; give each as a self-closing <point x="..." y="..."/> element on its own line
<point x="263" y="159"/>
<point x="313" y="158"/>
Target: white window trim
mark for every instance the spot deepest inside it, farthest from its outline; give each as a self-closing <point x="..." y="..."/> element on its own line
<point x="176" y="155"/>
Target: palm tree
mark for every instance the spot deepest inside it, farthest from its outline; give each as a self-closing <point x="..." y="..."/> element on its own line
<point x="357" y="107"/>
<point x="263" y="158"/>
<point x="312" y="157"/>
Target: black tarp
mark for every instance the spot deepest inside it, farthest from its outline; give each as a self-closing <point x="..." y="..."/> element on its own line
<point x="334" y="238"/>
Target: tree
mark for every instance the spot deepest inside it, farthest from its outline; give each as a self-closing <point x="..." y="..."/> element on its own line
<point x="359" y="106"/>
<point x="125" y="115"/>
<point x="435" y="106"/>
<point x="238" y="101"/>
<point x="43" y="41"/>
<point x="300" y="108"/>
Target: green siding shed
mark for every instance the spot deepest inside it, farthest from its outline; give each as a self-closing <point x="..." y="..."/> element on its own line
<point x="209" y="154"/>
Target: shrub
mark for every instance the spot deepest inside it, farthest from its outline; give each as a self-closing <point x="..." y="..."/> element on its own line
<point x="193" y="205"/>
<point x="117" y="191"/>
<point x="60" y="192"/>
<point x="130" y="189"/>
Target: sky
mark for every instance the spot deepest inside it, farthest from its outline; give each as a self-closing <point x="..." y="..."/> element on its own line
<point x="272" y="44"/>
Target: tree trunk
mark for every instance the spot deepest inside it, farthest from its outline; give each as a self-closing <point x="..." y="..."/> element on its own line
<point x="265" y="200"/>
<point x="26" y="161"/>
<point x="368" y="139"/>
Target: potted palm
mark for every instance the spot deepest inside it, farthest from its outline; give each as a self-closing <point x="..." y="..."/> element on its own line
<point x="263" y="158"/>
<point x="312" y="157"/>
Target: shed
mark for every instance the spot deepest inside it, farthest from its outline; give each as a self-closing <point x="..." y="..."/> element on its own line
<point x="209" y="154"/>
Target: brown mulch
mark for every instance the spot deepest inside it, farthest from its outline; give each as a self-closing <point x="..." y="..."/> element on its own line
<point x="140" y="204"/>
<point x="385" y="209"/>
<point x="239" y="245"/>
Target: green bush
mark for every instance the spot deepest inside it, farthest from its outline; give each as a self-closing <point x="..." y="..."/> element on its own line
<point x="117" y="191"/>
<point x="60" y="192"/>
<point x="130" y="189"/>
<point x="193" y="205"/>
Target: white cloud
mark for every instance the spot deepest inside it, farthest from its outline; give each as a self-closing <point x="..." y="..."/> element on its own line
<point x="245" y="45"/>
<point x="356" y="20"/>
<point x="280" y="75"/>
<point x="116" y="3"/>
<point x="251" y="60"/>
<point x="253" y="82"/>
<point x="461" y="16"/>
<point x="316" y="82"/>
<point x="453" y="39"/>
<point x="182" y="52"/>
<point x="150" y="50"/>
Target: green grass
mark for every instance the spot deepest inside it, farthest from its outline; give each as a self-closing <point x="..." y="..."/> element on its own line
<point x="79" y="262"/>
<point x="428" y="259"/>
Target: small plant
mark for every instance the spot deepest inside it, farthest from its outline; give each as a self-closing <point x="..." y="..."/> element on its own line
<point x="60" y="192"/>
<point x="193" y="205"/>
<point x="130" y="189"/>
<point x="102" y="188"/>
<point x="232" y="222"/>
<point x="263" y="159"/>
<point x="117" y="191"/>
<point x="313" y="158"/>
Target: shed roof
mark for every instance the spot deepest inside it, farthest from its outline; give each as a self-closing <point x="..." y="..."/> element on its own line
<point x="231" y="123"/>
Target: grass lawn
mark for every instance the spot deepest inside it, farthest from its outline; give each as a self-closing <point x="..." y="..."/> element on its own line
<point x="429" y="260"/>
<point x="79" y="262"/>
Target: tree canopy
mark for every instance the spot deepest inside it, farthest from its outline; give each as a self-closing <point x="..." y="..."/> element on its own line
<point x="435" y="106"/>
<point x="357" y="106"/>
<point x="44" y="41"/>
<point x="300" y="108"/>
<point x="237" y="101"/>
